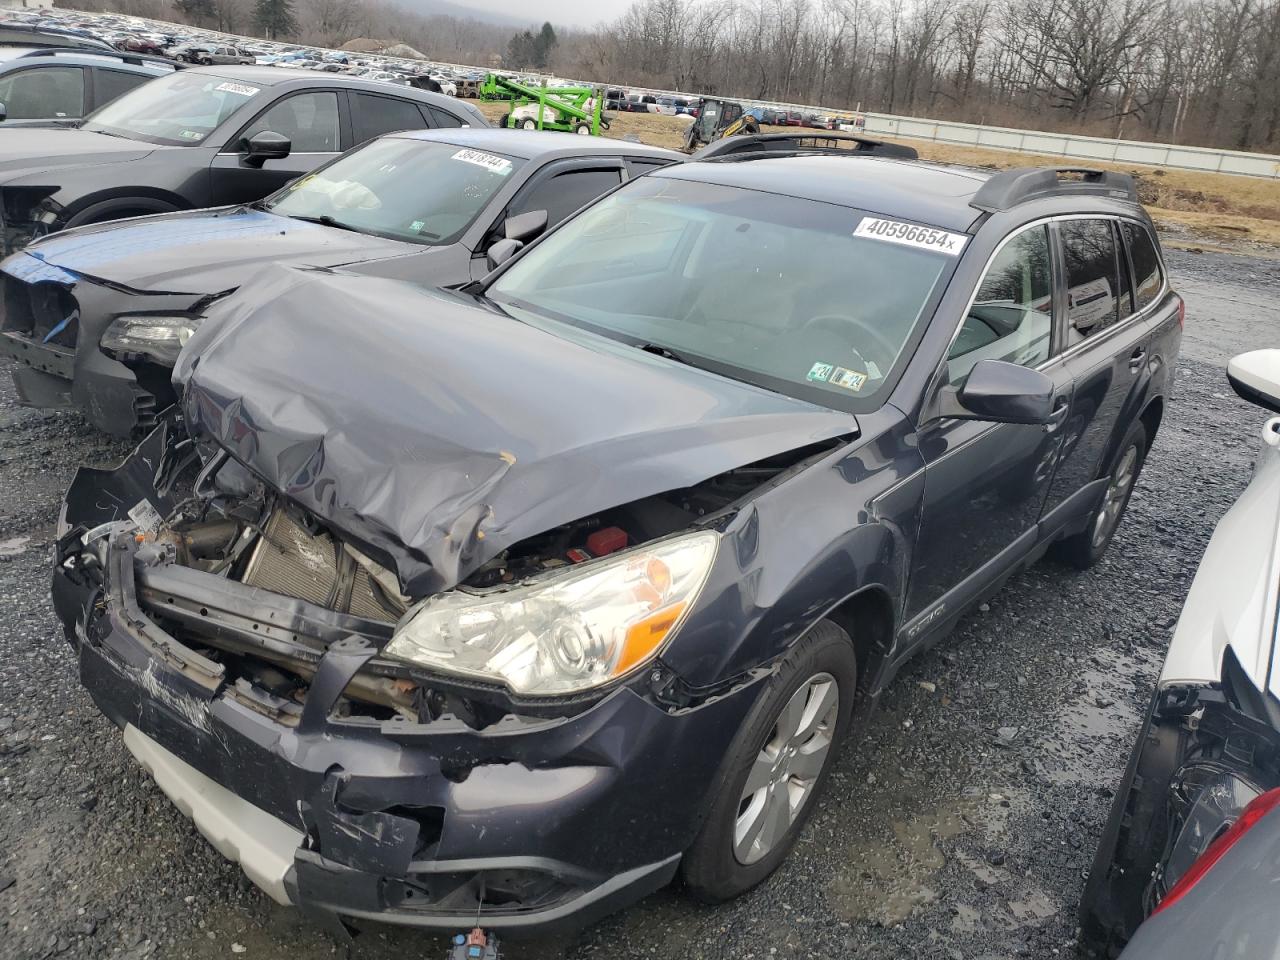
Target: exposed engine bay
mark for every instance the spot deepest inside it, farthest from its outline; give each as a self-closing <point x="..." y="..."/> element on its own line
<point x="253" y="583"/>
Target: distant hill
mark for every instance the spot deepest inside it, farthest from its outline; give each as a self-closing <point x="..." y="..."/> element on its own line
<point x="428" y="8"/>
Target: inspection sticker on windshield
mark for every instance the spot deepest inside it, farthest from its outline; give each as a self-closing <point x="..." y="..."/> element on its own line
<point x="849" y="379"/>
<point x="499" y="165"/>
<point x="912" y="235"/>
<point x="820" y="372"/>
<point x="241" y="88"/>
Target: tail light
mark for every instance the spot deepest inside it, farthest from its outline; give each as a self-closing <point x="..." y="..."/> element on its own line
<point x="1182" y="313"/>
<point x="1255" y="811"/>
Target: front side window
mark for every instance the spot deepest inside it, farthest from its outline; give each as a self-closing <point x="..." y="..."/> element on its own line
<point x="564" y="193"/>
<point x="180" y="109"/>
<point x="1093" y="279"/>
<point x="309" y="120"/>
<point x="775" y="290"/>
<point x="43" y="92"/>
<point x="1012" y="315"/>
<point x="1148" y="278"/>
<point x="405" y="189"/>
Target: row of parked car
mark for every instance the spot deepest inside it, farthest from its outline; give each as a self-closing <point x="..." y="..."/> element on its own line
<point x="479" y="490"/>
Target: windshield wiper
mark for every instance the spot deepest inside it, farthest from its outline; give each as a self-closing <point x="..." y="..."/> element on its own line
<point x="659" y="350"/>
<point x="327" y="221"/>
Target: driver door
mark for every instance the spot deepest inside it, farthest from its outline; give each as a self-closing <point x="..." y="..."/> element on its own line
<point x="310" y="119"/>
<point x="985" y="483"/>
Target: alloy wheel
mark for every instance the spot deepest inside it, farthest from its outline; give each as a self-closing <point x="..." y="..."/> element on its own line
<point x="786" y="769"/>
<point x="1113" y="501"/>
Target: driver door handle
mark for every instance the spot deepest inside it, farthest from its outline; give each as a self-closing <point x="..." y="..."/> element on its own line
<point x="1058" y="416"/>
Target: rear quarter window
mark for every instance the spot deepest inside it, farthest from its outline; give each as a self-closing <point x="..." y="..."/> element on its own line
<point x="1148" y="276"/>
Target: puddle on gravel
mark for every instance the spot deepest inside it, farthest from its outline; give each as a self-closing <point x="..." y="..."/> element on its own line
<point x="886" y="880"/>
<point x="1103" y="707"/>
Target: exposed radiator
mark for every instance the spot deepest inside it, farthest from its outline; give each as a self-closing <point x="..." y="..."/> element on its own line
<point x="290" y="561"/>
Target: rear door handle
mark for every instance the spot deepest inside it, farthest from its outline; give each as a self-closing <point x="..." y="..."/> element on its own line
<point x="1137" y="359"/>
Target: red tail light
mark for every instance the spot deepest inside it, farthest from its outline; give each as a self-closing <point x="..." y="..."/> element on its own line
<point x="1182" y="313"/>
<point x="1255" y="811"/>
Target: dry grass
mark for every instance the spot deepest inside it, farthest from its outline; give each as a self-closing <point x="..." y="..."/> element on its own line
<point x="1192" y="207"/>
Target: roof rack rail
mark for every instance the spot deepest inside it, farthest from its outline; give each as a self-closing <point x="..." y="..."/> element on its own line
<point x="753" y="146"/>
<point x="1008" y="188"/>
<point x="124" y="56"/>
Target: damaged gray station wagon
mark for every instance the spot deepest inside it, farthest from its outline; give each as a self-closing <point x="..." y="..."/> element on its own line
<point x="517" y="600"/>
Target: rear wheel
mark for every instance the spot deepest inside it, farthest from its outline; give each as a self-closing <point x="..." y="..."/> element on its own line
<point x="529" y="124"/>
<point x="777" y="764"/>
<point x="1086" y="548"/>
<point x="583" y="129"/>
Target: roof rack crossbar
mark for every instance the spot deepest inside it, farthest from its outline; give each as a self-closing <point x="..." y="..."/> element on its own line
<point x="756" y="145"/>
<point x="1008" y="188"/>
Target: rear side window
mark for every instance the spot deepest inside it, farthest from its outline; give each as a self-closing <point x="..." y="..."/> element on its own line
<point x="1148" y="278"/>
<point x="566" y="192"/>
<point x="1012" y="315"/>
<point x="1093" y="279"/>
<point x="374" y="116"/>
<point x="43" y="93"/>
<point x="109" y="84"/>
<point x="640" y="166"/>
<point x="443" y="118"/>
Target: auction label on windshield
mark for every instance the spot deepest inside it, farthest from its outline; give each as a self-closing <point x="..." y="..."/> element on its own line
<point x="487" y="160"/>
<point x="912" y="235"/>
<point x="241" y="88"/>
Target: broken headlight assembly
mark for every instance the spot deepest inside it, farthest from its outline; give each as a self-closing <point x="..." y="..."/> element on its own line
<point x="563" y="632"/>
<point x="158" y="338"/>
<point x="28" y="213"/>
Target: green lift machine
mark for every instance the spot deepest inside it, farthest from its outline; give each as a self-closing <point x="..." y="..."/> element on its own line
<point x="570" y="109"/>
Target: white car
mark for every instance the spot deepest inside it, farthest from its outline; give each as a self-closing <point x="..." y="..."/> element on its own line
<point x="447" y="86"/>
<point x="1210" y="745"/>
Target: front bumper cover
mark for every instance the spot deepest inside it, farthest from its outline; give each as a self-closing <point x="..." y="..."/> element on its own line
<point x="535" y="824"/>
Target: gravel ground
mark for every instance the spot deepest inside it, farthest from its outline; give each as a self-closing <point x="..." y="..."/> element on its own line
<point x="959" y="827"/>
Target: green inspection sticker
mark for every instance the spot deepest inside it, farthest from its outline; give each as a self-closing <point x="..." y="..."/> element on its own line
<point x="820" y="372"/>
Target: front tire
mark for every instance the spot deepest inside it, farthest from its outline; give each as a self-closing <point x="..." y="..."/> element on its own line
<point x="775" y="768"/>
<point x="1084" y="549"/>
<point x="529" y="124"/>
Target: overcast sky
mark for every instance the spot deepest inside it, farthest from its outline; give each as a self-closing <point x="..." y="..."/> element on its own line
<point x="568" y="12"/>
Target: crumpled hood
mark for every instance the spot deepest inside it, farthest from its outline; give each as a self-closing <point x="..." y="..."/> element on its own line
<point x="204" y="251"/>
<point x="31" y="150"/>
<point x="438" y="432"/>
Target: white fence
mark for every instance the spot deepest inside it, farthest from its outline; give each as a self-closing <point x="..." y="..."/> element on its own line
<point x="1077" y="148"/>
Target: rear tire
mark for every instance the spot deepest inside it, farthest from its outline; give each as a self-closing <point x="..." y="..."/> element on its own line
<point x="583" y="129"/>
<point x="1084" y="549"/>
<point x="529" y="124"/>
<point x="778" y="745"/>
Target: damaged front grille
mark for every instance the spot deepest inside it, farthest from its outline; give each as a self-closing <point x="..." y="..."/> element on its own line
<point x="314" y="567"/>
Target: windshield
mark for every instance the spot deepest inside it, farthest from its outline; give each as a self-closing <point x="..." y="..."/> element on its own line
<point x="180" y="109"/>
<point x="810" y="299"/>
<point x="406" y="189"/>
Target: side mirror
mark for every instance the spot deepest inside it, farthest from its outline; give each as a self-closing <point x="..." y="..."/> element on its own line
<point x="4" y="113"/>
<point x="525" y="226"/>
<point x="1255" y="376"/>
<point x="502" y="251"/>
<point x="1001" y="392"/>
<point x="267" y="145"/>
